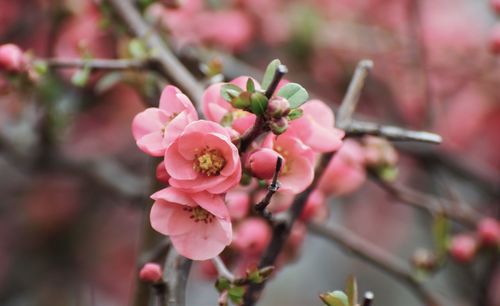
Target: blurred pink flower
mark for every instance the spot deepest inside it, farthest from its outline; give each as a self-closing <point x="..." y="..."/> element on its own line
<point x="345" y="171"/>
<point x="215" y="108"/>
<point x="252" y="236"/>
<point x="316" y="128"/>
<point x="203" y="158"/>
<point x="463" y="247"/>
<point x="488" y="231"/>
<point x="315" y="208"/>
<point x="155" y="128"/>
<point x="150" y="272"/>
<point x="12" y="58"/>
<point x="198" y="223"/>
<point x="238" y="203"/>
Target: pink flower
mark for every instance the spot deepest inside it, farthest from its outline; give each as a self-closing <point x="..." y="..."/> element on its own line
<point x="280" y="201"/>
<point x="162" y="174"/>
<point x="11" y="58"/>
<point x="150" y="272"/>
<point x="216" y="108"/>
<point x="203" y="158"/>
<point x="315" y="208"/>
<point x="316" y="127"/>
<point x="238" y="203"/>
<point x="345" y="171"/>
<point x="489" y="231"/>
<point x="252" y="236"/>
<point x="298" y="162"/>
<point x="155" y="128"/>
<point x="198" y="223"/>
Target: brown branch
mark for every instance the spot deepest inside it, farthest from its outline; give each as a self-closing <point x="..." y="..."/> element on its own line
<point x="376" y="256"/>
<point x="173" y="68"/>
<point x="359" y="128"/>
<point x="271" y="190"/>
<point x="96" y="63"/>
<point x="351" y="98"/>
<point x="368" y="299"/>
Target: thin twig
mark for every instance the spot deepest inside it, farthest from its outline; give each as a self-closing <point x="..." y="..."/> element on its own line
<point x="96" y="63"/>
<point x="351" y="98"/>
<point x="359" y="128"/>
<point x="271" y="189"/>
<point x="281" y="70"/>
<point x="173" y="68"/>
<point x="222" y="270"/>
<point x="376" y="256"/>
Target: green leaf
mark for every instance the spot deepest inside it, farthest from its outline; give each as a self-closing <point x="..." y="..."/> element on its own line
<point x="222" y="284"/>
<point x="335" y="298"/>
<point x="441" y="235"/>
<point x="243" y="101"/>
<point x="250" y="85"/>
<point x="236" y="294"/>
<point x="352" y="291"/>
<point x="41" y="67"/>
<point x="255" y="277"/>
<point x="294" y="93"/>
<point x="258" y="103"/>
<point x="269" y="74"/>
<point x="107" y="81"/>
<point x="230" y="91"/>
<point x="81" y="77"/>
<point x="295" y="113"/>
<point x="137" y="49"/>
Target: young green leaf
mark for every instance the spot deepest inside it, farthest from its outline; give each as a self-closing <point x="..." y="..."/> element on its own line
<point x="236" y="294"/>
<point x="250" y="85"/>
<point x="295" y="113"/>
<point x="335" y="298"/>
<point x="230" y="91"/>
<point x="441" y="235"/>
<point x="294" y="93"/>
<point x="352" y="291"/>
<point x="81" y="77"/>
<point x="269" y="74"/>
<point x="258" y="104"/>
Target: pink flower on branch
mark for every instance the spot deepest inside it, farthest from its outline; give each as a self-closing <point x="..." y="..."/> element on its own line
<point x="203" y="158"/>
<point x="12" y="58"/>
<point x="198" y="223"/>
<point x="155" y="128"/>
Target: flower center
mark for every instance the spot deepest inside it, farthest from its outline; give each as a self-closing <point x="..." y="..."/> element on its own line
<point x="209" y="162"/>
<point x="199" y="214"/>
<point x="170" y="118"/>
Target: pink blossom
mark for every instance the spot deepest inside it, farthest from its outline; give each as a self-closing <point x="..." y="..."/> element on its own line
<point x="12" y="58"/>
<point x="345" y="171"/>
<point x="203" y="158"/>
<point x="155" y="128"/>
<point x="198" y="223"/>
<point x="262" y="163"/>
<point x="252" y="236"/>
<point x="215" y="108"/>
<point x="315" y="208"/>
<point x="238" y="203"/>
<point x="150" y="272"/>
<point x="298" y="163"/>
<point x="162" y="174"/>
<point x="316" y="127"/>
<point x="494" y="39"/>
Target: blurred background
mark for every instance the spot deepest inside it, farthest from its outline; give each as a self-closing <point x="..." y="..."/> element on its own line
<point x="74" y="187"/>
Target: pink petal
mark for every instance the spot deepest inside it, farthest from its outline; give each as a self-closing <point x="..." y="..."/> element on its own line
<point x="227" y="184"/>
<point x="319" y="112"/>
<point x="205" y="241"/>
<point x="152" y="144"/>
<point x="212" y="203"/>
<point x="176" y="127"/>
<point x="205" y="126"/>
<point x="170" y="219"/>
<point x="173" y="101"/>
<point x="173" y="195"/>
<point x="299" y="177"/>
<point x="177" y="166"/>
<point x="148" y="121"/>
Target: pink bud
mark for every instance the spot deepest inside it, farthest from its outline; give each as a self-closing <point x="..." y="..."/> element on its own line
<point x="238" y="204"/>
<point x="150" y="273"/>
<point x="495" y="4"/>
<point x="162" y="174"/>
<point x="494" y="40"/>
<point x="252" y="236"/>
<point x="463" y="247"/>
<point x="11" y="58"/>
<point x="262" y="163"/>
<point x="489" y="231"/>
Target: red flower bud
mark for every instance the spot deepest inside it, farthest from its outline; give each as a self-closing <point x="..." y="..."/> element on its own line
<point x="162" y="174"/>
<point x="11" y="58"/>
<point x="262" y="163"/>
<point x="463" y="248"/>
<point x="150" y="273"/>
<point x="489" y="231"/>
<point x="278" y="107"/>
<point x="494" y="40"/>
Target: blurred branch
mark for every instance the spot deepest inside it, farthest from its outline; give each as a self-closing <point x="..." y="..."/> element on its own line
<point x="222" y="270"/>
<point x="429" y="203"/>
<point x="177" y="270"/>
<point x="97" y="63"/>
<point x="376" y="256"/>
<point x="351" y="98"/>
<point x="173" y="68"/>
<point x="359" y="128"/>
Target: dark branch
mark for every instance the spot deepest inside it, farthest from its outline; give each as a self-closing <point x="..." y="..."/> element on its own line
<point x="281" y="70"/>
<point x="272" y="188"/>
<point x="105" y="64"/>
<point x="368" y="298"/>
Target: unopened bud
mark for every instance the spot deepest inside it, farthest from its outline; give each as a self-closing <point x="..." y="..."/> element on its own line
<point x="162" y="174"/>
<point x="489" y="231"/>
<point x="278" y="107"/>
<point x="334" y="298"/>
<point x="242" y="101"/>
<point x="12" y="58"/>
<point x="278" y="126"/>
<point x="463" y="248"/>
<point x="424" y="259"/>
<point x="150" y="273"/>
<point x="262" y="163"/>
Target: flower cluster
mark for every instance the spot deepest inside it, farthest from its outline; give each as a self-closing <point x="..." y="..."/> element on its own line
<point x="213" y="176"/>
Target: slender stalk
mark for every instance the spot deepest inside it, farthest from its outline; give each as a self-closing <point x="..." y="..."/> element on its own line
<point x="97" y="63"/>
<point x="358" y="128"/>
